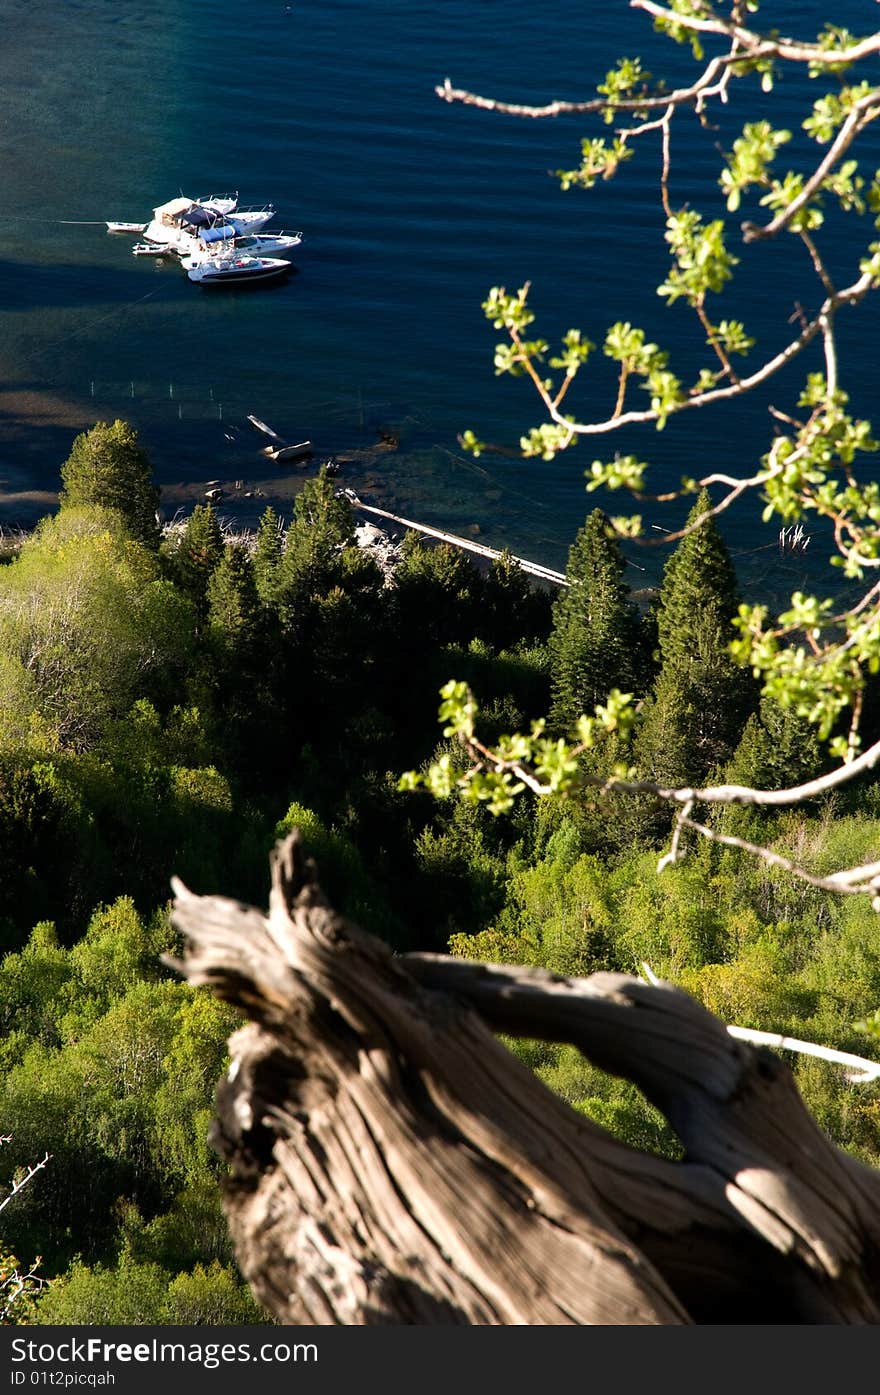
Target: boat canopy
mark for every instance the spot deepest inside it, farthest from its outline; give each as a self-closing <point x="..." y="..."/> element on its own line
<point x="201" y="217"/>
<point x="217" y="234"/>
<point x="173" y="209"/>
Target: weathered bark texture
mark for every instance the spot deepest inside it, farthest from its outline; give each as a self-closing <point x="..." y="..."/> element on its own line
<point x="392" y="1162"/>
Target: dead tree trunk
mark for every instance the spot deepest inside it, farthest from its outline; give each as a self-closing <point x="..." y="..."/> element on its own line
<point x="392" y="1162"/>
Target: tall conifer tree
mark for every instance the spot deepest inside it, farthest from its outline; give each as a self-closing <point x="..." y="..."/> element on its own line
<point x="267" y="556"/>
<point x="701" y="699"/>
<point x="199" y="553"/>
<point x="596" y="643"/>
<point x="322" y="526"/>
<point x="234" y="611"/>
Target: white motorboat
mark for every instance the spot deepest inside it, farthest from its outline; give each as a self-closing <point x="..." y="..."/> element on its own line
<point x="125" y="227"/>
<point x="211" y="240"/>
<point x="167" y="224"/>
<point x="181" y="221"/>
<point x="200" y="219"/>
<point x="269" y="242"/>
<point x="249" y="220"/>
<point x="221" y="203"/>
<point x="232" y="268"/>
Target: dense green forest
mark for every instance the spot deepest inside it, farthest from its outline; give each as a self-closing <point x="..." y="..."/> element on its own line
<point x="174" y="701"/>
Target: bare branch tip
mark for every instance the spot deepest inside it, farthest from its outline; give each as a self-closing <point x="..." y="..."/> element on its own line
<point x="292" y="871"/>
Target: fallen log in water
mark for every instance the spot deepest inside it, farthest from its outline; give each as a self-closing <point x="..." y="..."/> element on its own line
<point x="391" y="1162"/>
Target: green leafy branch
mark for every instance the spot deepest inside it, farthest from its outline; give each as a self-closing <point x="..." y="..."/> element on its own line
<point x="810" y="659"/>
<point x="495" y="775"/>
<point x="701" y="262"/>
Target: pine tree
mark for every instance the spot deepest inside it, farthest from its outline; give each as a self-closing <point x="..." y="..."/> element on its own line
<point x="107" y="467"/>
<point x="596" y="643"/>
<point x="234" y="610"/>
<point x="777" y="749"/>
<point x="701" y="698"/>
<point x="267" y="556"/>
<point x="322" y="527"/>
<point x="200" y="550"/>
<point x="322" y="524"/>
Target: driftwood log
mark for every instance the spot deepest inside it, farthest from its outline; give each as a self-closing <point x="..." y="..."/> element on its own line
<point x="392" y="1162"/>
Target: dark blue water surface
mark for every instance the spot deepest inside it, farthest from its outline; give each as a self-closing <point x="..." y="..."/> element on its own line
<point x="411" y="209"/>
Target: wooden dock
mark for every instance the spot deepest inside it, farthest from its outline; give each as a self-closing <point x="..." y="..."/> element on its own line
<point x="533" y="568"/>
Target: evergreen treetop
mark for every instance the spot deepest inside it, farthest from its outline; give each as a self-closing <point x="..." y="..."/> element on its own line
<point x="267" y="555"/>
<point x="322" y="527"/>
<point x="699" y="594"/>
<point x="702" y="698"/>
<point x="234" y="610"/>
<point x="596" y="643"/>
<point x="199" y="551"/>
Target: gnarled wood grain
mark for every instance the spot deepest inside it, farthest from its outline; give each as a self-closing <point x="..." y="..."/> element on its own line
<point x="392" y="1162"/>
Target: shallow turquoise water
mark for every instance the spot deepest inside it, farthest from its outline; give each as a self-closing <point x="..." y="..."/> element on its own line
<point x="411" y="210"/>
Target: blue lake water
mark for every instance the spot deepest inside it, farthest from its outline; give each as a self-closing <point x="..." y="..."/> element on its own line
<point x="411" y="209"/>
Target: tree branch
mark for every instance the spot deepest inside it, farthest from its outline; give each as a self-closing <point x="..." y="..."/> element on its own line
<point x="756" y="46"/>
<point x="711" y="794"/>
<point x="19" y="1183"/>
<point x="850" y="295"/>
<point x="855" y="881"/>
<point x="865" y="110"/>
<point x="679" y="97"/>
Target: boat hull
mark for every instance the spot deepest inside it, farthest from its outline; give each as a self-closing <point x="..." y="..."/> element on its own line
<point x="279" y="242"/>
<point x="238" y="271"/>
<point x="249" y="221"/>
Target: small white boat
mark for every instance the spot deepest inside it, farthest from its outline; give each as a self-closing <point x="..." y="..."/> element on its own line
<point x="153" y="249"/>
<point x="230" y="269"/>
<point x="264" y="430"/>
<point x="125" y="227"/>
<point x="279" y="453"/>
